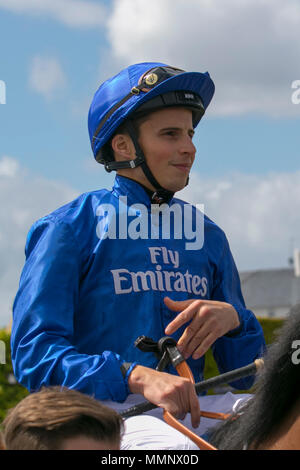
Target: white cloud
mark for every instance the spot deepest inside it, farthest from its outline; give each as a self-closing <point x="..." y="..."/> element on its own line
<point x="259" y="214"/>
<point x="73" y="13"/>
<point x="46" y="76"/>
<point x="25" y="198"/>
<point x="250" y="47"/>
<point x="8" y="167"/>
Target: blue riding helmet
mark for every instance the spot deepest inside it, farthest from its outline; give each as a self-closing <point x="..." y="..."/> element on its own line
<point x="143" y="88"/>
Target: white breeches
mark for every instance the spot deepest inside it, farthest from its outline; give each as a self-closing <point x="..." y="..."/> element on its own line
<point x="149" y="431"/>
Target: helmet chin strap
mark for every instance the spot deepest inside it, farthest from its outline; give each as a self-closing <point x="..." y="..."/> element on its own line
<point x="160" y="194"/>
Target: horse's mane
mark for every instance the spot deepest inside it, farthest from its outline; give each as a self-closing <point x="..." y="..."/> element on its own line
<point x="277" y="390"/>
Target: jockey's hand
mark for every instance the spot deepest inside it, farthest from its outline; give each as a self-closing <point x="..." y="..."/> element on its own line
<point x="209" y="320"/>
<point x="171" y="392"/>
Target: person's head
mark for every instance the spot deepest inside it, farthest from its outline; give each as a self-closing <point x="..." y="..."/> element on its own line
<point x="57" y="418"/>
<point x="141" y="123"/>
<point x="166" y="139"/>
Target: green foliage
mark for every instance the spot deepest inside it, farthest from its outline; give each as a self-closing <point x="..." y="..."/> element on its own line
<point x="270" y="328"/>
<point x="11" y="393"/>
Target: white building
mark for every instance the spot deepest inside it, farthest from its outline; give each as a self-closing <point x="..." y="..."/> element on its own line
<point x="272" y="292"/>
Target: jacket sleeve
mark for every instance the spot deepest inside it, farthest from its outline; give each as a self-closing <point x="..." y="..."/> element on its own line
<point x="43" y="353"/>
<point x="246" y="343"/>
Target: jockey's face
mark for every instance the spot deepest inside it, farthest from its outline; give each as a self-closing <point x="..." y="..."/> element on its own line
<point x="166" y="140"/>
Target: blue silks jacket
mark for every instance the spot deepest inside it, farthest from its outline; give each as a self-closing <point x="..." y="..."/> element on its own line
<point x="88" y="290"/>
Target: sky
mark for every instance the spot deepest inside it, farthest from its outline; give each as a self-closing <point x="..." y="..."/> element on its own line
<point x="54" y="54"/>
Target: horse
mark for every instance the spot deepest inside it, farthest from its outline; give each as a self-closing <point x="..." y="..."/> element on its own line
<point x="270" y="419"/>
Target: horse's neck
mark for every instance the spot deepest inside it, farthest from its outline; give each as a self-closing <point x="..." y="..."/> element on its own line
<point x="287" y="435"/>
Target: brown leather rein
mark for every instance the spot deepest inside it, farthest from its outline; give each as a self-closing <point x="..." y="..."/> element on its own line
<point x="184" y="371"/>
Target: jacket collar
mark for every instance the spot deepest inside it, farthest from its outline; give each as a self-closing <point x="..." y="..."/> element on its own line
<point x="137" y="193"/>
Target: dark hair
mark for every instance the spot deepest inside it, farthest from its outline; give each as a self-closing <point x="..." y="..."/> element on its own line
<point x="2" y="446"/>
<point x="43" y="420"/>
<point x="277" y="391"/>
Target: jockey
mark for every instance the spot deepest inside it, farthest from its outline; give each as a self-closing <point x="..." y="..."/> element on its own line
<point x="111" y="266"/>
